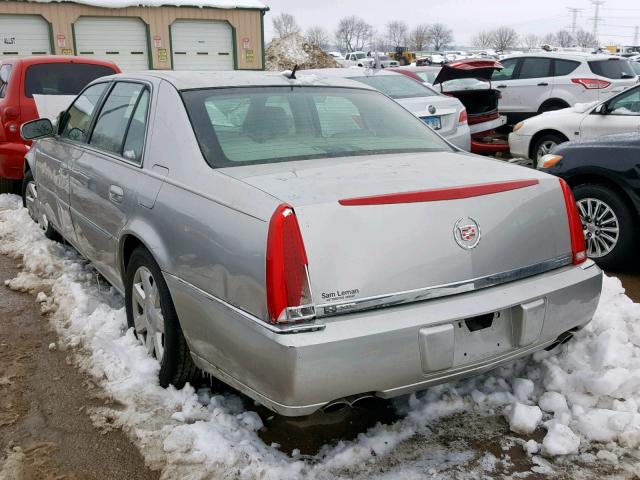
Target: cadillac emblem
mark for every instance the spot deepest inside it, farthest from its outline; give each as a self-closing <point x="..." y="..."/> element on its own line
<point x="431" y="109"/>
<point x="466" y="232"/>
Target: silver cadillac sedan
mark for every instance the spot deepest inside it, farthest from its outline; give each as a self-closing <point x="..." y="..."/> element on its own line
<point x="306" y="240"/>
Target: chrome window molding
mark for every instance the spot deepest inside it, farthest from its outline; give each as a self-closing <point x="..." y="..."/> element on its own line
<point x="437" y="291"/>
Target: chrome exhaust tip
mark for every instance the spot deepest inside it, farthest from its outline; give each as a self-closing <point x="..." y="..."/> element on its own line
<point x="348" y="402"/>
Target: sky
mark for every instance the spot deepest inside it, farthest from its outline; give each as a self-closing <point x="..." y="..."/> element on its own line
<point x="465" y="17"/>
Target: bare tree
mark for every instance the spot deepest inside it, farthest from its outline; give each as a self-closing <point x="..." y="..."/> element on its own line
<point x="284" y="24"/>
<point x="530" y="41"/>
<point x="419" y="38"/>
<point x="549" y="39"/>
<point x="586" y="39"/>
<point x="504" y="38"/>
<point x="397" y="33"/>
<point x="353" y="33"/>
<point x="482" y="39"/>
<point x="441" y="36"/>
<point x="318" y="36"/>
<point x="564" y="39"/>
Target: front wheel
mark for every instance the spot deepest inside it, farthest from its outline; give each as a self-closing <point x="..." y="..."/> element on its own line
<point x="152" y="315"/>
<point x="29" y="201"/>
<point x="544" y="145"/>
<point x="608" y="224"/>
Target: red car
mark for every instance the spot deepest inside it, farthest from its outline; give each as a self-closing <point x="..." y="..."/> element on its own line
<point x="470" y="82"/>
<point x="20" y="79"/>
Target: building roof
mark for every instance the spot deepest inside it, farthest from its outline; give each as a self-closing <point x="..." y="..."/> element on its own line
<point x="227" y="4"/>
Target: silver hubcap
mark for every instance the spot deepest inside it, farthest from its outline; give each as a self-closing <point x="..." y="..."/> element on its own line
<point x="545" y="148"/>
<point x="600" y="226"/>
<point x="147" y="313"/>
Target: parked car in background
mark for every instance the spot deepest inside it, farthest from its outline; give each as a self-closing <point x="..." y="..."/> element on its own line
<point x="444" y="114"/>
<point x="604" y="174"/>
<point x="329" y="246"/>
<point x="541" y="82"/>
<point x="383" y="60"/>
<point x="431" y="59"/>
<point x="337" y="56"/>
<point x="357" y="59"/>
<point x="537" y="136"/>
<point x="20" y="80"/>
<point x="470" y="82"/>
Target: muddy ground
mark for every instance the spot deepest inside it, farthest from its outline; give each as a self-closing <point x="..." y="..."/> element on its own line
<point x="46" y="432"/>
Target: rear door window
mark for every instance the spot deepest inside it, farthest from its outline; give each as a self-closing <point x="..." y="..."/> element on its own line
<point x="116" y="116"/>
<point x="508" y="70"/>
<point x="5" y="75"/>
<point x="613" y="68"/>
<point x="62" y="78"/>
<point x="535" y="68"/>
<point x="564" y="67"/>
<point x="75" y="122"/>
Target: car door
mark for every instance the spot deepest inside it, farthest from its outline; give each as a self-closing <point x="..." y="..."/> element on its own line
<point x="502" y="80"/>
<point x="103" y="180"/>
<point x="531" y="85"/>
<point x="621" y="114"/>
<point x="55" y="156"/>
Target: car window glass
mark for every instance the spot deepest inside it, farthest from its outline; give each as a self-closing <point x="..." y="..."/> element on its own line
<point x="614" y="68"/>
<point x="626" y="104"/>
<point x="337" y="115"/>
<point x="427" y="76"/>
<point x="112" y="123"/>
<point x="535" y="68"/>
<point x="134" y="142"/>
<point x="62" y="78"/>
<point x="76" y="120"/>
<point x="508" y="68"/>
<point x="635" y="66"/>
<point x="564" y="67"/>
<point x="5" y="74"/>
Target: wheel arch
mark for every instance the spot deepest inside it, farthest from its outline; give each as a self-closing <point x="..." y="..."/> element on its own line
<point x="138" y="234"/>
<point x="595" y="179"/>
<point x="536" y="136"/>
<point x="553" y="101"/>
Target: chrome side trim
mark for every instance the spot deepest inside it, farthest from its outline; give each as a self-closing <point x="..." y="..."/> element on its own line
<point x="276" y="328"/>
<point x="437" y="291"/>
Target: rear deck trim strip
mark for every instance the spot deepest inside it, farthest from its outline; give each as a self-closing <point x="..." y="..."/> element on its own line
<point x="439" y="194"/>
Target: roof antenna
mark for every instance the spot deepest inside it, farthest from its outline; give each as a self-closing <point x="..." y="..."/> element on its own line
<point x="292" y="75"/>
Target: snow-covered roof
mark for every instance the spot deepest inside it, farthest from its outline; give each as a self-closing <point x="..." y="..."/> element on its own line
<point x="165" y="3"/>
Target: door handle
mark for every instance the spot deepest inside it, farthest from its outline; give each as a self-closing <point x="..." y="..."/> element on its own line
<point x="116" y="194"/>
<point x="502" y="86"/>
<point x="543" y="84"/>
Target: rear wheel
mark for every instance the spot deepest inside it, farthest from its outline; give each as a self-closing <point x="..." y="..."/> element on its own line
<point x="152" y="315"/>
<point x="552" y="105"/>
<point x="9" y="186"/>
<point x="545" y="144"/>
<point x="608" y="225"/>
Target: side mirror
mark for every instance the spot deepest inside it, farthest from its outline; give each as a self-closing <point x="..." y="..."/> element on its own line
<point x="40" y="128"/>
<point x="601" y="109"/>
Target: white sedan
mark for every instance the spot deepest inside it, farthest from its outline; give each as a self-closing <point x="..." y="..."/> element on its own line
<point x="537" y="136"/>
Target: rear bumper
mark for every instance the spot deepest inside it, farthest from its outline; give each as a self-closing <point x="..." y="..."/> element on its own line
<point x="386" y="352"/>
<point x="12" y="159"/>
<point x="461" y="138"/>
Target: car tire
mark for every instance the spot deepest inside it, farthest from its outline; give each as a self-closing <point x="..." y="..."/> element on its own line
<point x="29" y="195"/>
<point x="544" y="145"/>
<point x="551" y="106"/>
<point x="146" y="296"/>
<point x="9" y="186"/>
<point x="619" y="251"/>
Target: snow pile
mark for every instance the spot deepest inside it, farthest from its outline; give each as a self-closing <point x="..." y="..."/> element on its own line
<point x="589" y="389"/>
<point x="286" y="52"/>
<point x="163" y="3"/>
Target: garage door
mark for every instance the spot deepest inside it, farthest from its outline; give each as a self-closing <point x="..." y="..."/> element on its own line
<point x="24" y="35"/>
<point x="201" y="45"/>
<point x="121" y="40"/>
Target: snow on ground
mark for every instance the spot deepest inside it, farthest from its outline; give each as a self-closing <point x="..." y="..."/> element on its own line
<point x="588" y="389"/>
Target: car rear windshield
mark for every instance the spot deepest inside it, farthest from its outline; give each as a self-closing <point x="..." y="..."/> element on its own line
<point x="241" y="126"/>
<point x="396" y="86"/>
<point x="428" y="77"/>
<point x="615" y="68"/>
<point x="62" y="78"/>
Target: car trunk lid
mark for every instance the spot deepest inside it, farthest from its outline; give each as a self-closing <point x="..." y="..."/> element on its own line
<point x="397" y="228"/>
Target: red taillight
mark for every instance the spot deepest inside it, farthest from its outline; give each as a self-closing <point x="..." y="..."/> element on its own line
<point x="288" y="290"/>
<point x="591" y="83"/>
<point x="578" y="247"/>
<point x="463" y="116"/>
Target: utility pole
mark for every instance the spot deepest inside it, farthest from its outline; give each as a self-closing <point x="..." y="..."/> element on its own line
<point x="574" y="20"/>
<point x="596" y="18"/>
